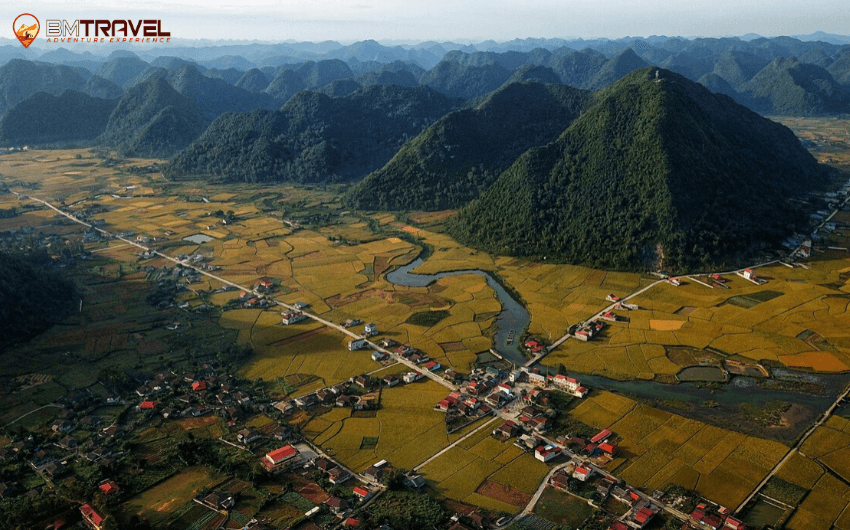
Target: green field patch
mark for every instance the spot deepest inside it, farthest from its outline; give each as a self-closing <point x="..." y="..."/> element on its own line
<point x="563" y="509"/>
<point x="753" y="299"/>
<point x="784" y="491"/>
<point x="369" y="442"/>
<point x="427" y="318"/>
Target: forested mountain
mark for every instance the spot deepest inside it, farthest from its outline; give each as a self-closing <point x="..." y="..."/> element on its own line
<point x="760" y="73"/>
<point x="465" y="81"/>
<point x="575" y="68"/>
<point x="840" y="68"/>
<point x="254" y="80"/>
<point x="658" y="172"/>
<point x="319" y="74"/>
<point x="229" y="75"/>
<point x="787" y="86"/>
<point x="34" y="298"/>
<point x="45" y="118"/>
<point x="717" y="84"/>
<point x="100" y="87"/>
<point x="614" y="69"/>
<point x="387" y="77"/>
<point x="341" y="88"/>
<point x="152" y="119"/>
<point x="285" y="85"/>
<point x="539" y="74"/>
<point x="458" y="157"/>
<point x="121" y="69"/>
<point x="215" y="96"/>
<point x="314" y="138"/>
<point x="19" y="79"/>
<point x="736" y="68"/>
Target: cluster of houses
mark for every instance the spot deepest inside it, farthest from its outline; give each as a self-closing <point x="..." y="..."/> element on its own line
<point x="641" y="510"/>
<point x="585" y="331"/>
<point x="483" y="391"/>
<point x="334" y="473"/>
<point x="713" y="517"/>
<point x="249" y="300"/>
<point x="566" y="384"/>
<point x="357" y="393"/>
<point x="200" y="393"/>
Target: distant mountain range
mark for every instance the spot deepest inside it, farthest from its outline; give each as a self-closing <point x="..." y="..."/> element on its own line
<point x="626" y="154"/>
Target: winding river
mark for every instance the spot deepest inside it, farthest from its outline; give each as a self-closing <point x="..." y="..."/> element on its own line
<point x="510" y="322"/>
<point x="740" y="389"/>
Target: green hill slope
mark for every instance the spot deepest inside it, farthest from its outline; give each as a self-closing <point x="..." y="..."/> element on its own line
<point x="460" y="155"/>
<point x="44" y="118"/>
<point x="314" y="138"/>
<point x="152" y="119"/>
<point x="659" y="174"/>
<point x="790" y="87"/>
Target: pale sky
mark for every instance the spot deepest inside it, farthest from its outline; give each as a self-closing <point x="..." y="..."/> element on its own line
<point x="354" y="20"/>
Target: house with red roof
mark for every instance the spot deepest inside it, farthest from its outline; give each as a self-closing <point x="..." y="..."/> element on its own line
<point x="547" y="453"/>
<point x="276" y="458"/>
<point x="147" y="405"/>
<point x="91" y="517"/>
<point x="352" y="522"/>
<point x="734" y="524"/>
<point x="601" y="436"/>
<point x="362" y="493"/>
<point x="643" y="516"/>
<point x="108" y="487"/>
<point x="609" y="315"/>
<point x="702" y="516"/>
<point x="197" y="386"/>
<point x="609" y="449"/>
<point x="446" y="403"/>
<point x="432" y="366"/>
<point x="534" y="346"/>
<point x="582" y="473"/>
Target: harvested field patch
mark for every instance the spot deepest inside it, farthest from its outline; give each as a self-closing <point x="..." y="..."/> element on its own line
<point x="198" y="423"/>
<point x="503" y="493"/>
<point x="666" y="325"/>
<point x="820" y="361"/>
<point x="302" y="336"/>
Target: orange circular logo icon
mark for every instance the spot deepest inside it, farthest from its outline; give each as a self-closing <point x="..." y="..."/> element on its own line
<point x="26" y="28"/>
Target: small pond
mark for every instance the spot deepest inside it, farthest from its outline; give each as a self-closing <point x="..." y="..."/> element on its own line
<point x="198" y="239"/>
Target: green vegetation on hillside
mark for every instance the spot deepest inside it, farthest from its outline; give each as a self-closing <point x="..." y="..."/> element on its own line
<point x="314" y="138"/>
<point x="656" y="173"/>
<point x="152" y="119"/>
<point x="457" y="158"/>
<point x="44" y="118"/>
<point x="789" y="87"/>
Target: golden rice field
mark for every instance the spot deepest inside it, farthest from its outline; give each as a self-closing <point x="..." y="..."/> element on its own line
<point x="406" y="426"/>
<point x="459" y="472"/>
<point x="659" y="448"/>
<point x="344" y="279"/>
<point x="803" y="323"/>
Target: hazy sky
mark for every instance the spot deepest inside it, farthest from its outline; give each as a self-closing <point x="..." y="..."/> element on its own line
<point x="353" y="20"/>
